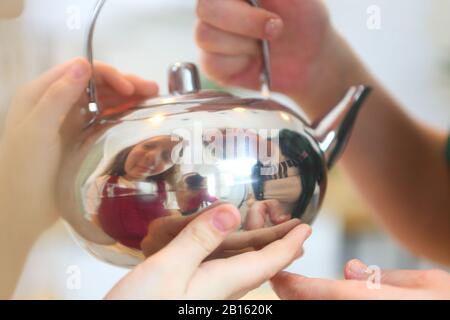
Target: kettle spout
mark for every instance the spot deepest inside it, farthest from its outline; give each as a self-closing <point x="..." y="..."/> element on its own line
<point x="334" y="129"/>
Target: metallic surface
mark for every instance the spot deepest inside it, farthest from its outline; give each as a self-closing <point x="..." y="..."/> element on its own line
<point x="137" y="177"/>
<point x="266" y="75"/>
<point x="183" y="79"/>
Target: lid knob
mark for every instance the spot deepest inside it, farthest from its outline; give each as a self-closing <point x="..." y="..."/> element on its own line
<point x="184" y="78"/>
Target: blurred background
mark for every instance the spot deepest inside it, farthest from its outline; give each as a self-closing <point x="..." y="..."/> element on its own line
<point x="410" y="53"/>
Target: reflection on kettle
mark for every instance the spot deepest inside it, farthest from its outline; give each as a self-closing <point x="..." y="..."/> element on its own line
<point x="125" y="194"/>
<point x="132" y="192"/>
<point x="283" y="191"/>
<point x="192" y="194"/>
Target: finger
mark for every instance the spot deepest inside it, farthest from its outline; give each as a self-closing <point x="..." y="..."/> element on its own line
<point x="357" y="270"/>
<point x="143" y="87"/>
<point x="231" y="253"/>
<point x="276" y="212"/>
<point x="239" y="17"/>
<point x="109" y="98"/>
<point x="112" y="102"/>
<point x="258" y="238"/>
<point x="125" y="85"/>
<point x="256" y="217"/>
<point x="248" y="271"/>
<point x="198" y="240"/>
<point x="219" y="254"/>
<point x="280" y="218"/>
<point x="117" y="92"/>
<point x="107" y="75"/>
<point x="270" y="209"/>
<point x="37" y="87"/>
<point x="163" y="230"/>
<point x="59" y="98"/>
<point x="160" y="232"/>
<point x="214" y="40"/>
<point x="225" y="69"/>
<point x="28" y="96"/>
<point x="289" y="286"/>
<point x="179" y="222"/>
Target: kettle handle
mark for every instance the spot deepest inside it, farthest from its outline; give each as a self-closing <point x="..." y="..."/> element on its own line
<point x="266" y="74"/>
<point x="92" y="88"/>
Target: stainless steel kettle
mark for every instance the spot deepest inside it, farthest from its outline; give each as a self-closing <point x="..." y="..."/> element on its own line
<point x="136" y="177"/>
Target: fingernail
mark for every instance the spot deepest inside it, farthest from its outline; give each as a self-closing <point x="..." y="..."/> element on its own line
<point x="78" y="70"/>
<point x="273" y="28"/>
<point x="357" y="268"/>
<point x="224" y="221"/>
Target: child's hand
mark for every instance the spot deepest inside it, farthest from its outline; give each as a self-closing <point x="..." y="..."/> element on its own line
<point x="44" y="118"/>
<point x="306" y="52"/>
<point x="178" y="271"/>
<point x="361" y="283"/>
<point x="261" y="212"/>
<point x="162" y="230"/>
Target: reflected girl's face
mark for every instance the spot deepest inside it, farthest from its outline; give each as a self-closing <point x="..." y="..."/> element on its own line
<point x="149" y="158"/>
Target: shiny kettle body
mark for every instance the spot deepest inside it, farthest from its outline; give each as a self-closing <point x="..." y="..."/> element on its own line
<point x="135" y="175"/>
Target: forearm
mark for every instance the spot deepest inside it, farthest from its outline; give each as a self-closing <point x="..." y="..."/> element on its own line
<point x="397" y="163"/>
<point x="15" y="243"/>
<point x="21" y="226"/>
<point x="399" y="167"/>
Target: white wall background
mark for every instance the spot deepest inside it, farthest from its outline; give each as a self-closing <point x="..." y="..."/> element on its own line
<point x="407" y="53"/>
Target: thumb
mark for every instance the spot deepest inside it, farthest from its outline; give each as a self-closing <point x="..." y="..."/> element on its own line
<point x="356" y="270"/>
<point x="199" y="239"/>
<point x="63" y="94"/>
<point x="284" y="285"/>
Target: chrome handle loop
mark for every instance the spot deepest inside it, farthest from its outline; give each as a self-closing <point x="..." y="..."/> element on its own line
<point x="266" y="76"/>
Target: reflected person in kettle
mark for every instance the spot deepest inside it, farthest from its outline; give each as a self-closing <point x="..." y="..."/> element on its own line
<point x="193" y="193"/>
<point x="283" y="190"/>
<point x="134" y="191"/>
